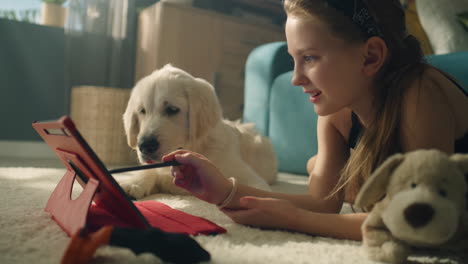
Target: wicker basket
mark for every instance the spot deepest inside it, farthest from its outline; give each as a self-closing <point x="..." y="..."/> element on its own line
<point x="97" y="113"/>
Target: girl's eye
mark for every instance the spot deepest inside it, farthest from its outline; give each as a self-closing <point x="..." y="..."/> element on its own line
<point x="310" y="58"/>
<point x="142" y="111"/>
<point x="413" y="185"/>
<point x="171" y="110"/>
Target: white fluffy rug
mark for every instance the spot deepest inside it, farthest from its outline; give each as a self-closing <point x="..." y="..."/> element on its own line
<point x="29" y="235"/>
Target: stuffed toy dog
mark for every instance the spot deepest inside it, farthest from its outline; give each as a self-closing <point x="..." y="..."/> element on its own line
<point x="420" y="201"/>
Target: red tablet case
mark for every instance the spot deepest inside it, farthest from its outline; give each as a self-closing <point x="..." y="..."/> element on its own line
<point x="111" y="205"/>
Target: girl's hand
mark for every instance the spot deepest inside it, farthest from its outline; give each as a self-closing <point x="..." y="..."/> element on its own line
<point x="199" y="176"/>
<point x="265" y="212"/>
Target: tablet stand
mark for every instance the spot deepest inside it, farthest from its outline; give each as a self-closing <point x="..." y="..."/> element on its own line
<point x="71" y="214"/>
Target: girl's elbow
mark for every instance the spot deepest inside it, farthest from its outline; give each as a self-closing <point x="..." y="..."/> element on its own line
<point x="332" y="206"/>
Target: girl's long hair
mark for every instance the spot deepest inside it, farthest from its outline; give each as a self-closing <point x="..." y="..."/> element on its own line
<point x="403" y="65"/>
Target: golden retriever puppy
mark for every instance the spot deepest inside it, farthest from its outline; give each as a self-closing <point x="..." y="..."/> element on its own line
<point x="169" y="110"/>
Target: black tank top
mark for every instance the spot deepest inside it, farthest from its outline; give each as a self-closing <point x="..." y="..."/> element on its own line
<point x="461" y="144"/>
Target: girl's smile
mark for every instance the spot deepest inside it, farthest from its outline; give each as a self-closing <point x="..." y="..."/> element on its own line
<point x="314" y="95"/>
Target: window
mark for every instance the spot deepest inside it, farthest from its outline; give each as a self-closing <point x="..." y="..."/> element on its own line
<point x="24" y="10"/>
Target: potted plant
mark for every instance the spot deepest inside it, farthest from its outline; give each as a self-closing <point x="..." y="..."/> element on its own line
<point x="53" y="13"/>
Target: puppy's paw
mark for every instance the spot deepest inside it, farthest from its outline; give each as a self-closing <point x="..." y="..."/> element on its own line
<point x="136" y="189"/>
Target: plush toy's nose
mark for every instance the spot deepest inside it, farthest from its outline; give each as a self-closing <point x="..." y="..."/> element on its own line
<point x="419" y="214"/>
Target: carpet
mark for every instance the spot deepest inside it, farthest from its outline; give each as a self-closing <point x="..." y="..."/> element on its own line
<point x="29" y="235"/>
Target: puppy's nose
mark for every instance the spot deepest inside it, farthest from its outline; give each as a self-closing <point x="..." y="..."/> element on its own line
<point x="149" y="145"/>
<point x="419" y="214"/>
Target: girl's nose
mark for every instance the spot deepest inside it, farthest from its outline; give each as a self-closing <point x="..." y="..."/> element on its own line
<point x="298" y="79"/>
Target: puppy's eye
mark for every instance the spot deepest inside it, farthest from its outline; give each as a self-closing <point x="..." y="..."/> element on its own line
<point x="142" y="111"/>
<point x="171" y="110"/>
<point x="442" y="193"/>
<point x="413" y="185"/>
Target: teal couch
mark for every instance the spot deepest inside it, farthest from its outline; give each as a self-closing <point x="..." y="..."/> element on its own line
<point x="282" y="112"/>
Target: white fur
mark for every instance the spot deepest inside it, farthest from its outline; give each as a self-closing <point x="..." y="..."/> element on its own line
<point x="181" y="111"/>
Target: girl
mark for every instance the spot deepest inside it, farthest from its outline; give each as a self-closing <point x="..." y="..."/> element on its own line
<point x="374" y="96"/>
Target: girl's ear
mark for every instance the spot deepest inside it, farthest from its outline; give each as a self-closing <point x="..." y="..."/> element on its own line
<point x="375" y="55"/>
<point x="374" y="187"/>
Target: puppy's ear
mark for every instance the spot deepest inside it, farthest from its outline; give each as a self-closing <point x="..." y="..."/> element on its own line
<point x="131" y="124"/>
<point x="376" y="184"/>
<point x="204" y="108"/>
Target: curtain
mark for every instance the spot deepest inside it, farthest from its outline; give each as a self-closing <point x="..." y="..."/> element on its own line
<point x="100" y="40"/>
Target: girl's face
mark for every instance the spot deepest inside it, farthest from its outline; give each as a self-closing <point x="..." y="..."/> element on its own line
<point x="327" y="68"/>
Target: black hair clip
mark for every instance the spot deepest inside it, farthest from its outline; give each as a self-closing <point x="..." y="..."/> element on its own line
<point x="359" y="13"/>
<point x="365" y="21"/>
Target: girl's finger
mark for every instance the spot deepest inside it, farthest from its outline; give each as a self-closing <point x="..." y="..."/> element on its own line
<point x="190" y="158"/>
<point x="181" y="182"/>
<point x="171" y="156"/>
<point x="175" y="171"/>
<point x="239" y="216"/>
<point x="181" y="179"/>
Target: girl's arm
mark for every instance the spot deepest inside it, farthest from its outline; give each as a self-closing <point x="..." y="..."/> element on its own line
<point x="332" y="155"/>
<point x="344" y="226"/>
<point x="304" y="201"/>
<point x="200" y="177"/>
<point x="283" y="214"/>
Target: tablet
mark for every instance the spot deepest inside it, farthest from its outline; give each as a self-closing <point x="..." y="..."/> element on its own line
<point x="102" y="200"/>
<point x="78" y="158"/>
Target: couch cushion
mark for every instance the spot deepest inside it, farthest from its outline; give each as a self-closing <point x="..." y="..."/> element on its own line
<point x="263" y="65"/>
<point x="292" y="126"/>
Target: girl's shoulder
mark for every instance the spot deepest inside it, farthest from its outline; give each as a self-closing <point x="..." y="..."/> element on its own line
<point x="432" y="113"/>
<point x="434" y="85"/>
<point x="433" y="78"/>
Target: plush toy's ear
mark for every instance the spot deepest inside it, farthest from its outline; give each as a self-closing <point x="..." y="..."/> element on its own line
<point x="464" y="223"/>
<point x="461" y="160"/>
<point x="374" y="187"/>
<point x="204" y="108"/>
<point x="131" y="124"/>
